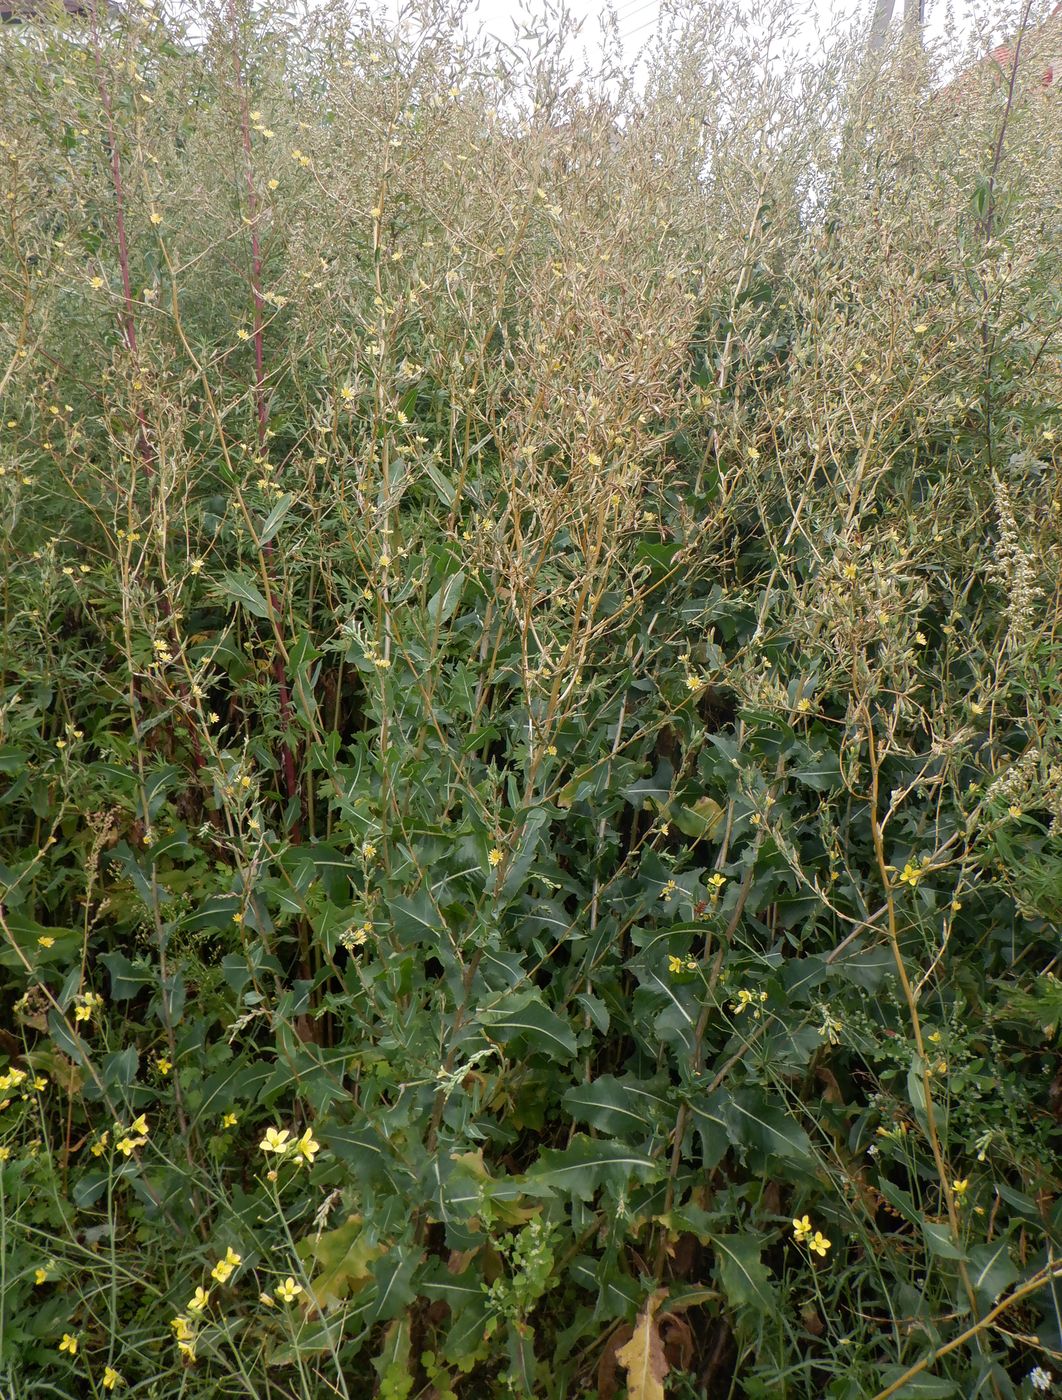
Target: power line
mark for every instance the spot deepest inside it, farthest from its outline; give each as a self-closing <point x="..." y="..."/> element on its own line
<point x="641" y="9"/>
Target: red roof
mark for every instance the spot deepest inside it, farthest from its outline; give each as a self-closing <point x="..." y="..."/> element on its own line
<point x="1033" y="44"/>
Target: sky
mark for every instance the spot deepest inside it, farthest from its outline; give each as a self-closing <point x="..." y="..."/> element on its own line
<point x="637" y="19"/>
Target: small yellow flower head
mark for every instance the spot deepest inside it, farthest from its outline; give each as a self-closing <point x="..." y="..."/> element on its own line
<point x="802" y="1229"/>
<point x="241" y="334"/>
<point x="182" y="1328"/>
<point x="551" y="749"/>
<point x="229" y="1120"/>
<point x="95" y="283"/>
<point x="127" y="1145"/>
<point x="1014" y="811"/>
<point x="307" y="1147"/>
<point x="717" y="881"/>
<point x="674" y="964"/>
<point x="46" y="940"/>
<point x="111" y="1378"/>
<point x="276" y="1140"/>
<point x="163" y="1065"/>
<point x="273" y="184"/>
<point x="850" y="572"/>
<point x="494" y="857"/>
<point x="221" y="1272"/>
<point x="99" y="1147"/>
<point x="200" y="1301"/>
<point x="819" y="1244"/>
<point x="911" y="874"/>
<point x="288" y="1291"/>
<point x="368" y="849"/>
<point x="156" y="219"/>
<point x="41" y="1276"/>
<point x="187" y="1349"/>
<point x="961" y="1187"/>
<point x="69" y="1343"/>
<point x="745" y="998"/>
<point x="139" y="1125"/>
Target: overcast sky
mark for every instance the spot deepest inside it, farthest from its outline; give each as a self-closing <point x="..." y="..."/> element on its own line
<point x="637" y="19"/>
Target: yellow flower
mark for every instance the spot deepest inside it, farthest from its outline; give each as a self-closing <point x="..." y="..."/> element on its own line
<point x="276" y="1140"/>
<point x="100" y="1145"/>
<point x="819" y="1244"/>
<point x="95" y="283"/>
<point x="307" y="1146"/>
<point x="46" y="940"/>
<point x="200" y="1301"/>
<point x="182" y="1328"/>
<point x="802" y="1229"/>
<point x="69" y="1343"/>
<point x="127" y="1145"/>
<point x="674" y="964"/>
<point x="910" y="875"/>
<point x="273" y="184"/>
<point x="163" y="1065"/>
<point x="241" y="334"/>
<point x="139" y="1125"/>
<point x="288" y="1291"/>
<point x="41" y="1276"/>
<point x="111" y="1378"/>
<point x="961" y="1187"/>
<point x="187" y="1349"/>
<point x="5" y="1154"/>
<point x="551" y="749"/>
<point x="1014" y="810"/>
<point x="494" y="857"/>
<point x="155" y="218"/>
<point x="231" y="1257"/>
<point x="229" y="1120"/>
<point x="221" y="1272"/>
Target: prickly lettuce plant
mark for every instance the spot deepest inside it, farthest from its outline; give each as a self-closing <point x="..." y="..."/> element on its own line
<point x="529" y="714"/>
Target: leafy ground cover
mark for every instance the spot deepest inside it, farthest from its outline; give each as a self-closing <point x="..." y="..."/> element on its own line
<point x="529" y="716"/>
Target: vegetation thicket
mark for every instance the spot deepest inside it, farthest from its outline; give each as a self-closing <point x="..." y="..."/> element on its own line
<point x="530" y="713"/>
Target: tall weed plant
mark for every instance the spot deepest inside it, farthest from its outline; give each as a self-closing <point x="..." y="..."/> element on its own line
<point x="530" y="701"/>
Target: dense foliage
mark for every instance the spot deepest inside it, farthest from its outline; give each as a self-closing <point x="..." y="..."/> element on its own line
<point x="530" y="700"/>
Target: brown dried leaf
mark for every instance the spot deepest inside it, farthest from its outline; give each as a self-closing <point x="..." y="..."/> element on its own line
<point x="643" y="1357"/>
